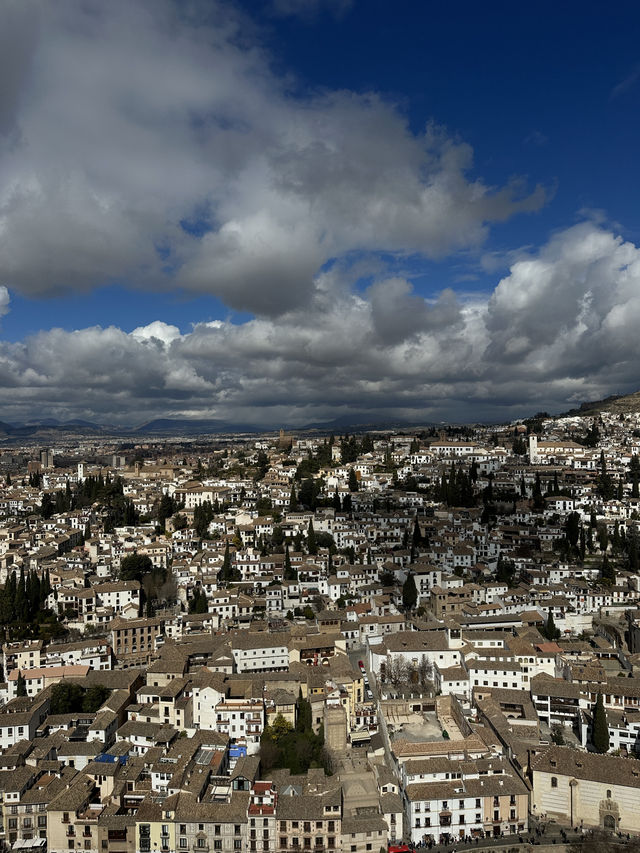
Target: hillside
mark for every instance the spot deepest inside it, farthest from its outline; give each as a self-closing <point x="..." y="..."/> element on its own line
<point x="618" y="404"/>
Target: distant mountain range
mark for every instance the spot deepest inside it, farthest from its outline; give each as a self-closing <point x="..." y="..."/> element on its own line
<point x="48" y="429"/>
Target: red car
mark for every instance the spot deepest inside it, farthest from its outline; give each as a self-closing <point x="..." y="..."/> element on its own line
<point x="399" y="848"/>
<point x="361" y="665"/>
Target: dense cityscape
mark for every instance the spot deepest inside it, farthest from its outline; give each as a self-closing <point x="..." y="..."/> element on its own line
<point x="319" y="426"/>
<point x="322" y="642"/>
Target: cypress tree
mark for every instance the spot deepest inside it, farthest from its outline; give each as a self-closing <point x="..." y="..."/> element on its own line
<point x="290" y="574"/>
<point x="21" y="605"/>
<point x="409" y="592"/>
<point x="417" y="534"/>
<point x="312" y="546"/>
<point x="225" y="571"/>
<point x="21" y="686"/>
<point x="550" y="631"/>
<point x="600" y="734"/>
<point x="293" y="500"/>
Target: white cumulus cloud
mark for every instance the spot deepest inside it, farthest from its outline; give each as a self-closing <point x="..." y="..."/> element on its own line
<point x="152" y="142"/>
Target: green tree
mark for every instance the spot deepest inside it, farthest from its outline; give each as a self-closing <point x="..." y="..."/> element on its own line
<point x="263" y="506"/>
<point x="289" y="573"/>
<point x="312" y="545"/>
<point x="135" y="566"/>
<point x="180" y="521"/>
<point x="21" y="686"/>
<point x="166" y="509"/>
<point x="600" y="734"/>
<point x="94" y="698"/>
<point x="572" y="529"/>
<point x="47" y="507"/>
<point x="66" y="698"/>
<point x="262" y="465"/>
<point x="409" y="592"/>
<point x="198" y="602"/>
<point x="293" y="500"/>
<point x="353" y="481"/>
<point x="607" y="571"/>
<point x="228" y="572"/>
<point x="202" y="518"/>
<point x="549" y="629"/>
<point x="603" y="536"/>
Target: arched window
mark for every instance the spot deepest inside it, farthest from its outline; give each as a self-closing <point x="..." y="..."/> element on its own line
<point x="608" y="794"/>
<point x="554" y="781"/>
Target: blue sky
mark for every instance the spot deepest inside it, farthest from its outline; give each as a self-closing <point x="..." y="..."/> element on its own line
<point x="232" y="195"/>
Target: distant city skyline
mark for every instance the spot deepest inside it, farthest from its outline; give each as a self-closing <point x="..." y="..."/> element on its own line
<point x="286" y="211"/>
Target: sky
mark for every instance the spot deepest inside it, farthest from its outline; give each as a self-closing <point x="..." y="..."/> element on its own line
<point x="280" y="212"/>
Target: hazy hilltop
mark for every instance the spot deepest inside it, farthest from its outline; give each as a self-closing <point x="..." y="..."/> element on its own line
<point x="618" y="404"/>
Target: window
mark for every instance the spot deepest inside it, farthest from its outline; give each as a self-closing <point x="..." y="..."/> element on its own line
<point x="183" y="843"/>
<point x="554" y="782"/>
<point x="608" y="796"/>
